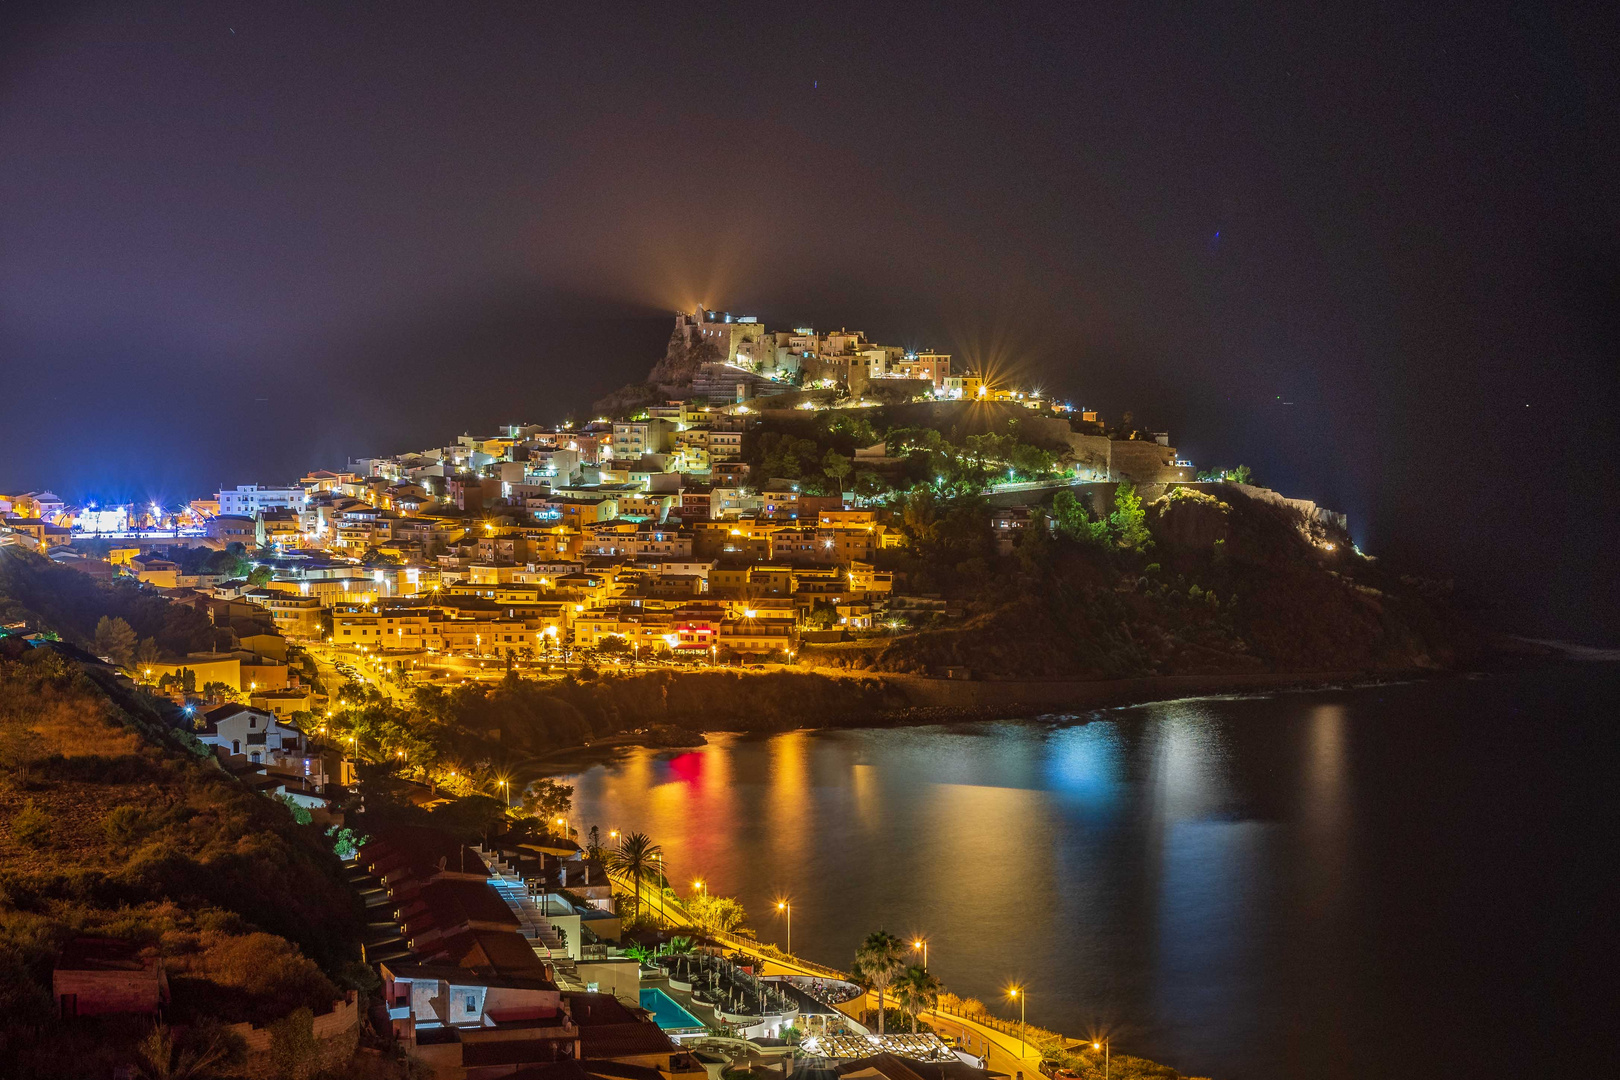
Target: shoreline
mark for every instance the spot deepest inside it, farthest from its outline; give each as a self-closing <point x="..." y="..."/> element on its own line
<point x="926" y="700"/>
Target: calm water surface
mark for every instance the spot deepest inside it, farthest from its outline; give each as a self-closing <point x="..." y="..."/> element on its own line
<point x="1412" y="880"/>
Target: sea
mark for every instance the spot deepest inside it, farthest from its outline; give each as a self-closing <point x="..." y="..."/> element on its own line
<point x="1403" y="880"/>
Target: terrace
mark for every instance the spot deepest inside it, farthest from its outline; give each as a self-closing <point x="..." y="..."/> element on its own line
<point x="740" y="999"/>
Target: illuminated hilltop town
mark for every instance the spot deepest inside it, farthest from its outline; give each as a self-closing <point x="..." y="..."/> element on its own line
<point x="741" y="514"/>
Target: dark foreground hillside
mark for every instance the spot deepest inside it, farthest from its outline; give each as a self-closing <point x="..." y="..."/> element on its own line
<point x="112" y="826"/>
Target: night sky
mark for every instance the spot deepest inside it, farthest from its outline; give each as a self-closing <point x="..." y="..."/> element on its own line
<point x="1373" y="253"/>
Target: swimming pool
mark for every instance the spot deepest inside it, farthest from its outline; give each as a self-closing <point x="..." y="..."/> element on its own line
<point x="666" y="1011"/>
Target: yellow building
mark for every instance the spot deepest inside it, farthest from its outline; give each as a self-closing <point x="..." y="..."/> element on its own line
<point x="205" y="668"/>
<point x="296" y="617"/>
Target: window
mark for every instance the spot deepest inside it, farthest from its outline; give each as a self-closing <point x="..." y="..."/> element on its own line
<point x="236" y="746"/>
<point x="472" y="1003"/>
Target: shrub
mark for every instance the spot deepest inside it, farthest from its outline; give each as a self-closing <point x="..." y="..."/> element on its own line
<point x="124" y="825"/>
<point x="293" y="1049"/>
<point x="31" y="826"/>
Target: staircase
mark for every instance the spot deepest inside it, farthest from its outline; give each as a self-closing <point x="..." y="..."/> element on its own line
<point x="532" y="924"/>
<point x="382" y="938"/>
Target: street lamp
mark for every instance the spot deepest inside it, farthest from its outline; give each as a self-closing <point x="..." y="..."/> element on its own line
<point x="1019" y="994"/>
<point x="921" y="944"/>
<point x="1104" y="1047"/>
<point x="508" y="788"/>
<point x="786" y="908"/>
<point x="658" y="857"/>
<point x="697" y="886"/>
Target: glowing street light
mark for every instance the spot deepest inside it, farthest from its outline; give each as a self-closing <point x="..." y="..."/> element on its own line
<point x="1104" y="1047"/>
<point x="1019" y="994"/>
<point x="697" y="886"/>
<point x="785" y="906"/>
<point x="921" y="944"/>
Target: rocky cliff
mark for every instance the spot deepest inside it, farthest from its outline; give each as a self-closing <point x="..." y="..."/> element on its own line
<point x="1233" y="581"/>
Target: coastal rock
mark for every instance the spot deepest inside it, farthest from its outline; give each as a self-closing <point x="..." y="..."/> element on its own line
<point x="670" y="737"/>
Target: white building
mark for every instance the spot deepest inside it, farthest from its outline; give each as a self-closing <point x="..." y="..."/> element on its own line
<point x="262" y="738"/>
<point x="249" y="499"/>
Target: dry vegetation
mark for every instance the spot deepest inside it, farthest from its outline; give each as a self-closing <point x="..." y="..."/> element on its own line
<point x="111" y="825"/>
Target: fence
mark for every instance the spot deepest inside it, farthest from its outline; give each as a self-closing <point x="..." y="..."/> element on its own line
<point x="336" y="1035"/>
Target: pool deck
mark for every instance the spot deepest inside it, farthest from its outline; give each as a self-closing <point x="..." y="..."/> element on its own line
<point x="674" y="997"/>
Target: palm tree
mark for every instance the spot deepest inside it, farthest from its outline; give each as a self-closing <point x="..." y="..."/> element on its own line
<point x="879" y="961"/>
<point x="917" y="991"/>
<point x="636" y="857"/>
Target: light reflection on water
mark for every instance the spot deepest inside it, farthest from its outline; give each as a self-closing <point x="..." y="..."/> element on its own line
<point x="1203" y="878"/>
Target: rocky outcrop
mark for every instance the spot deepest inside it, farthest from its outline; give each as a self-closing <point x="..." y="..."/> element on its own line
<point x="671" y="376"/>
<point x="682" y="358"/>
<point x="1187" y="518"/>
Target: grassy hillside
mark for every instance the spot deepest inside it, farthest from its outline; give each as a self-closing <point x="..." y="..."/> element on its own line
<point x="113" y="825"/>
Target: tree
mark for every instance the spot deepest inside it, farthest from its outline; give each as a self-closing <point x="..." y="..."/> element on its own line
<point x="259" y="575"/>
<point x="549" y="800"/>
<point x="1129" y="520"/>
<point x="919" y="518"/>
<point x="221" y="692"/>
<point x="1240" y="475"/>
<point x="147" y="652"/>
<point x="1032" y="462"/>
<point x="1073" y="521"/>
<point x="916" y="992"/>
<point x="879" y="961"/>
<point x="822" y="616"/>
<point x="836" y="466"/>
<point x="870" y="485"/>
<point x="346" y="842"/>
<point x="230" y="564"/>
<point x="20" y="747"/>
<point x="1035" y="545"/>
<point x="715" y="914"/>
<point x="636" y="857"/>
<point x="115" y="639"/>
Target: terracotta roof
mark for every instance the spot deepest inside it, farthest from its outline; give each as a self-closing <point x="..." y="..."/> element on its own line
<point x="512" y="1046"/>
<point x="598" y="1009"/>
<point x="410" y="851"/>
<point x="458" y="976"/>
<point x="454" y="903"/>
<point x="103" y="954"/>
<point x="496" y="952"/>
<point x="623" y="1040"/>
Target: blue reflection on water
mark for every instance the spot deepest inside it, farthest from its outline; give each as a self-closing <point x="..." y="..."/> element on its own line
<point x="1085" y="766"/>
